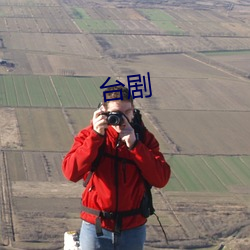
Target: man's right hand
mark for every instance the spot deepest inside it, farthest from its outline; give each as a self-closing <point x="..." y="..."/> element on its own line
<point x="100" y="122"/>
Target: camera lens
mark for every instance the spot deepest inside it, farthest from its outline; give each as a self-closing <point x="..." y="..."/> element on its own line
<point x="114" y="120"/>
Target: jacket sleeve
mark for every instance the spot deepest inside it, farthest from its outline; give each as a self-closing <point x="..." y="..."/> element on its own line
<point x="151" y="161"/>
<point x="83" y="152"/>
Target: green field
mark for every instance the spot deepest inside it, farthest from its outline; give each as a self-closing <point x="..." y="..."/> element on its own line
<point x="93" y="25"/>
<point x="208" y="173"/>
<point x="226" y="52"/>
<point x="87" y="23"/>
<point x="45" y="91"/>
<point x="79" y="13"/>
<point x="155" y="15"/>
<point x="161" y="19"/>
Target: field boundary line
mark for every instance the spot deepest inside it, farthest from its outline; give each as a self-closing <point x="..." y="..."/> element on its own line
<point x="66" y="117"/>
<point x="9" y="100"/>
<point x="204" y="110"/>
<point x="79" y="29"/>
<point x="169" y="141"/>
<point x="197" y="177"/>
<point x="182" y="184"/>
<point x="214" y="172"/>
<point x="248" y="166"/>
<point x="41" y="52"/>
<point x="174" y="213"/>
<point x="217" y="67"/>
<point x="16" y="94"/>
<point x="7" y="207"/>
<point x="27" y="89"/>
<point x="25" y="166"/>
<point x="64" y="112"/>
<point x="42" y="88"/>
<point x="69" y="90"/>
<point x="5" y="93"/>
<point x="83" y="91"/>
<point x="232" y="171"/>
<point x="54" y="87"/>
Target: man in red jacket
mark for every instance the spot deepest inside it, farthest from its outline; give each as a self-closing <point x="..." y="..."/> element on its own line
<point x="113" y="197"/>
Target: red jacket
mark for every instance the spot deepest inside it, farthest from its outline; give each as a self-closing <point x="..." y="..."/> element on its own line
<point x="101" y="192"/>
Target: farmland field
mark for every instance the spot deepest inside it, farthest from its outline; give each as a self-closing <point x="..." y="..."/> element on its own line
<point x="9" y="137"/>
<point x="209" y="173"/>
<point x="56" y="54"/>
<point x="216" y="132"/>
<point x="45" y="91"/>
<point x="109" y="20"/>
<point x="197" y="54"/>
<point x="162" y="20"/>
<point x="236" y="59"/>
<point x="96" y="25"/>
<point x="36" y="134"/>
<point x="222" y="25"/>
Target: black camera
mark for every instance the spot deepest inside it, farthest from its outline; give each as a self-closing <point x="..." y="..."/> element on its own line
<point x="114" y="118"/>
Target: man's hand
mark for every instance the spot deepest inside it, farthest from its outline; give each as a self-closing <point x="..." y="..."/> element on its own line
<point x="127" y="134"/>
<point x="100" y="121"/>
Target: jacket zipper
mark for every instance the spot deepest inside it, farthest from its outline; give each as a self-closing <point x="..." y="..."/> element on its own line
<point x="116" y="166"/>
<point x="116" y="163"/>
